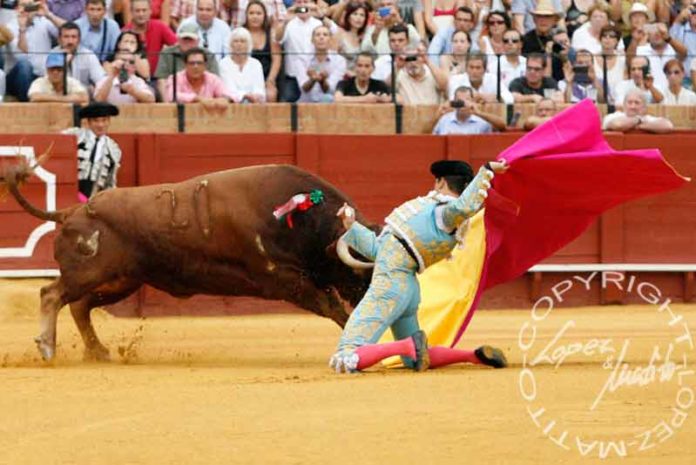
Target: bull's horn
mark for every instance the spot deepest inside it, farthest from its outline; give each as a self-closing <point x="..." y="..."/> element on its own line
<point x="345" y="256"/>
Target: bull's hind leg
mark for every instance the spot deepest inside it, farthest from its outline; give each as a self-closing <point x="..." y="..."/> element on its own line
<point x="94" y="349"/>
<point x="51" y="303"/>
<point x="81" y="311"/>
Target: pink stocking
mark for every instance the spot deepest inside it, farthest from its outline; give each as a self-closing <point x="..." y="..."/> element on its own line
<point x="373" y="353"/>
<point x="441" y="356"/>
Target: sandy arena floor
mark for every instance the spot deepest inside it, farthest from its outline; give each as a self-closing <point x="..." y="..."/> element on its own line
<point x="256" y="389"/>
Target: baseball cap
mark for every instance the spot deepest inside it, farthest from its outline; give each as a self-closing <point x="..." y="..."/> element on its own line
<point x="189" y="30"/>
<point x="55" y="60"/>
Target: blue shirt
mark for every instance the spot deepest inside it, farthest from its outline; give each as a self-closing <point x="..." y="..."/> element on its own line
<point x="685" y="34"/>
<point x="102" y="43"/>
<point x="449" y="124"/>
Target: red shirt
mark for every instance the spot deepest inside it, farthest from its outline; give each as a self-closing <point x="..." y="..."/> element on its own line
<point x="157" y="35"/>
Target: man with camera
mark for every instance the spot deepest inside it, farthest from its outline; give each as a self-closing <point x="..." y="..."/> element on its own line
<point x="34" y="30"/>
<point x="121" y="85"/>
<point x="466" y="118"/>
<point x="661" y="48"/>
<point x="684" y="30"/>
<point x="581" y="81"/>
<point x="635" y="116"/>
<point x="639" y="79"/>
<point x="377" y="35"/>
<point x="420" y="81"/>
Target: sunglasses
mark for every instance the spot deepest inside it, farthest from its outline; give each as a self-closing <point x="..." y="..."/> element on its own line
<point x="511" y="41"/>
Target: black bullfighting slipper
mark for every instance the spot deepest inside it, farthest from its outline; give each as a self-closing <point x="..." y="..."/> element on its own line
<point x="491" y="356"/>
<point x="420" y="341"/>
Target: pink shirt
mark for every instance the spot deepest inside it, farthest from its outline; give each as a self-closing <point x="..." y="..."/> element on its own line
<point x="213" y="87"/>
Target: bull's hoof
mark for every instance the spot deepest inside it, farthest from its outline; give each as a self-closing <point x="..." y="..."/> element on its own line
<point x="97" y="354"/>
<point x="47" y="350"/>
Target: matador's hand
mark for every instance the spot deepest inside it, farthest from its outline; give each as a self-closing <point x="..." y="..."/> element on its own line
<point x="498" y="166"/>
<point x="347" y="215"/>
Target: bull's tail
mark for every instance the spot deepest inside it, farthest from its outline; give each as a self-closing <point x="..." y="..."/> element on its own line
<point x="13" y="176"/>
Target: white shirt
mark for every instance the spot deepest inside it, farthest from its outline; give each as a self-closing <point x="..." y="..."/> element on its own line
<point x="582" y="39"/>
<point x="381" y="47"/>
<point x="297" y="43"/>
<point x="508" y="71"/>
<point x="685" y="97"/>
<point x="383" y="67"/>
<point x="335" y="66"/>
<point x="488" y="86"/>
<point x="616" y="75"/>
<point x="39" y="37"/>
<point x="623" y="87"/>
<point x="2" y="85"/>
<point x="43" y="86"/>
<point x="657" y="62"/>
<point x="217" y="36"/>
<point x="244" y="81"/>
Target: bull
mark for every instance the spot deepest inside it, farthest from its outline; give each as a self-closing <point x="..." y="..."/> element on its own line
<point x="213" y="234"/>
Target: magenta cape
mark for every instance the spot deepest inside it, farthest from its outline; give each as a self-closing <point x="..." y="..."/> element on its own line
<point x="562" y="176"/>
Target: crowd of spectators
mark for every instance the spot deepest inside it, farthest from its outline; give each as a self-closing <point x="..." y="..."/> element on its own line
<point x="443" y="52"/>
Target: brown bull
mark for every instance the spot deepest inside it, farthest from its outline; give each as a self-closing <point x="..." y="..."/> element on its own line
<point x="213" y="234"/>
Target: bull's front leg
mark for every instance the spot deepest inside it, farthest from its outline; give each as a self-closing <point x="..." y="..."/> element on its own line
<point x="51" y="303"/>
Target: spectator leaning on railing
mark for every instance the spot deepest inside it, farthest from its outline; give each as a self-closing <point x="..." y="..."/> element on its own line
<point x="50" y="88"/>
<point x="196" y="85"/>
<point x="99" y="33"/>
<point x="635" y="116"/>
<point x="361" y="88"/>
<point x="544" y="110"/>
<point x="465" y="117"/>
<point x="675" y="93"/>
<point x="242" y="74"/>
<point x="121" y="85"/>
<point x="173" y="56"/>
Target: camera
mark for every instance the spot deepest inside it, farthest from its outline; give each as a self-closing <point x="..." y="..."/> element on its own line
<point x="410" y="58"/>
<point x="31" y="7"/>
<point x="384" y="11"/>
<point x="8" y="4"/>
<point x="301" y="9"/>
<point x="581" y="73"/>
<point x="557" y="48"/>
<point x="458" y="104"/>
